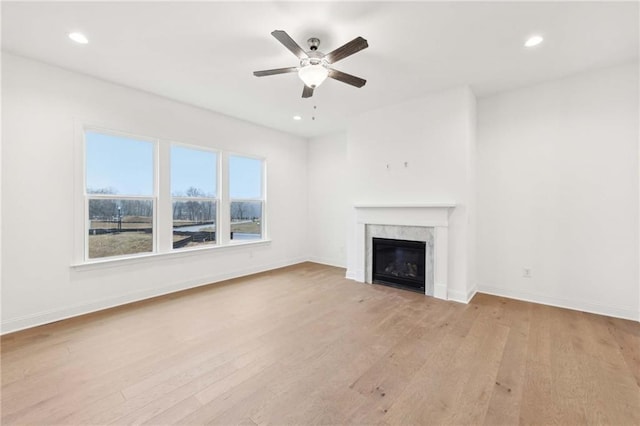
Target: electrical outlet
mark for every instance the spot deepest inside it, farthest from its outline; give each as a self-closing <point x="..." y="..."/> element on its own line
<point x="526" y="272"/>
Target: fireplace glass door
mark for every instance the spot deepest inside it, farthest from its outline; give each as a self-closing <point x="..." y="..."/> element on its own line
<point x="399" y="263"/>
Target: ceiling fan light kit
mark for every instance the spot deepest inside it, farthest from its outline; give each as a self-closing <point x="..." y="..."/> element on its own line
<point x="313" y="75"/>
<point x="314" y="65"/>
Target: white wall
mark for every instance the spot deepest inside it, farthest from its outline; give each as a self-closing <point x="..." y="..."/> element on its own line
<point x="328" y="199"/>
<point x="40" y="105"/>
<point x="558" y="192"/>
<point x="435" y="136"/>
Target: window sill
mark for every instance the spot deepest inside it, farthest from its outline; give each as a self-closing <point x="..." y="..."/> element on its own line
<point x="151" y="257"/>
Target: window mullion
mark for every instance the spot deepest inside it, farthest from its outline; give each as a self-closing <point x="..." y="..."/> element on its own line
<point x="224" y="213"/>
<point x="164" y="215"/>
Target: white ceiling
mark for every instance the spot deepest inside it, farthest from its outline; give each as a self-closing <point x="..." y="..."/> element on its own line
<point x="204" y="53"/>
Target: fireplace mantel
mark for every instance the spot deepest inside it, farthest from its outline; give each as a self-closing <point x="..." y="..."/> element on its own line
<point x="433" y="215"/>
<point x="404" y="214"/>
<point x="403" y="205"/>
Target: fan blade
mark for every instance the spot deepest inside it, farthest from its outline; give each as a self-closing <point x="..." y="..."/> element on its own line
<point x="346" y="78"/>
<point x="275" y="71"/>
<point x="355" y="45"/>
<point x="288" y="42"/>
<point x="307" y="92"/>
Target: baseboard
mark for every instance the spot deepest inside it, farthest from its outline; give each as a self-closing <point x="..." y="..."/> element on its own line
<point x="594" y="308"/>
<point x="355" y="274"/>
<point x="328" y="262"/>
<point x="46" y="317"/>
<point x="461" y="296"/>
<point x="440" y="291"/>
<point x="471" y="293"/>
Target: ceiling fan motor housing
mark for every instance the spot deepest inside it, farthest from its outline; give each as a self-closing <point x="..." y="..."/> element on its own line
<point x="315" y="58"/>
<point x="313" y="43"/>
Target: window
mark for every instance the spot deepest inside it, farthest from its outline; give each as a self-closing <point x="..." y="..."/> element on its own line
<point x="194" y="196"/>
<point x="119" y="195"/>
<point x="246" y="197"/>
<point x="139" y="195"/>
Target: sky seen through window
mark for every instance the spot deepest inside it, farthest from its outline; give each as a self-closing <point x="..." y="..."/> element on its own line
<point x="124" y="166"/>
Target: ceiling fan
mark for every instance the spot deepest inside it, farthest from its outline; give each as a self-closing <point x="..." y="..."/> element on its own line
<point x="314" y="65"/>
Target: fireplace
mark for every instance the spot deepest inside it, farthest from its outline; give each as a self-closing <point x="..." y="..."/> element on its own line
<point x="399" y="263"/>
<point x="428" y="222"/>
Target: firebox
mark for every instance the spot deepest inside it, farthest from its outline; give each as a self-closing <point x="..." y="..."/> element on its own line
<point x="399" y="263"/>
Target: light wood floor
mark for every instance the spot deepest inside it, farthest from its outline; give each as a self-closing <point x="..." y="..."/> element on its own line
<point x="302" y="345"/>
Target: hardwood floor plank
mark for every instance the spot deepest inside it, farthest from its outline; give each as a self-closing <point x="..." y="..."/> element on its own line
<point x="627" y="335"/>
<point x="504" y="405"/>
<point x="538" y="405"/>
<point x="568" y="385"/>
<point x="175" y="412"/>
<point x="616" y="399"/>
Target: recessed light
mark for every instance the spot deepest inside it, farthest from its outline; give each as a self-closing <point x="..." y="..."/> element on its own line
<point x="79" y="38"/>
<point x="297" y="117"/>
<point x="533" y="41"/>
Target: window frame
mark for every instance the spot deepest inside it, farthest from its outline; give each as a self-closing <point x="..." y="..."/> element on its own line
<point x="87" y="197"/>
<point x="262" y="199"/>
<point x="216" y="199"/>
<point x="162" y="221"/>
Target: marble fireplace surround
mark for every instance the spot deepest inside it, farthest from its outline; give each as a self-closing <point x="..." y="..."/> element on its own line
<point x="426" y="222"/>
